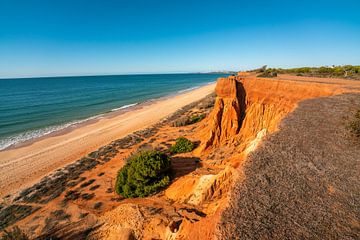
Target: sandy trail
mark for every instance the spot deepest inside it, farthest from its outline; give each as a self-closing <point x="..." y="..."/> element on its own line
<point x="21" y="167"/>
<point x="303" y="181"/>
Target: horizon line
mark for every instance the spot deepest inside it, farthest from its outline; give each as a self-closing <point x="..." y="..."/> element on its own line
<point x="114" y="74"/>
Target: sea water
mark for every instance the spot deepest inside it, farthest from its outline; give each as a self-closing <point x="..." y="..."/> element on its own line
<point x="34" y="107"/>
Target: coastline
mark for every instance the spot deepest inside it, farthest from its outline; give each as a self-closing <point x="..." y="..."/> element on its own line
<point x="56" y="130"/>
<point x="34" y="160"/>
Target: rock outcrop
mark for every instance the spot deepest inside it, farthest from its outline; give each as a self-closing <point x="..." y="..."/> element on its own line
<point x="197" y="189"/>
<point x="225" y="120"/>
<point x="246" y="105"/>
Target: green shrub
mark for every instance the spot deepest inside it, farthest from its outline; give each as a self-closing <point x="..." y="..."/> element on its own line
<point x="355" y="124"/>
<point x="262" y="69"/>
<point x="14" y="234"/>
<point x="180" y="122"/>
<point x="346" y="71"/>
<point x="196" y="118"/>
<point x="182" y="145"/>
<point x="269" y="73"/>
<point x="184" y="121"/>
<point x="144" y="174"/>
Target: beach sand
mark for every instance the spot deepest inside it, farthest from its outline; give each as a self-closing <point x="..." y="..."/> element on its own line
<point x="23" y="166"/>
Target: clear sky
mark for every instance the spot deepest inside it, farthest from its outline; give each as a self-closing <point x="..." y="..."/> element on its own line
<point x="85" y="37"/>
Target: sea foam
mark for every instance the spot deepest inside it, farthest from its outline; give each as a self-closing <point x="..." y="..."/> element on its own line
<point x="124" y="107"/>
<point x="29" y="135"/>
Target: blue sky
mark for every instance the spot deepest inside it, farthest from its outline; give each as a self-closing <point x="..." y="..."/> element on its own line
<point x="78" y="37"/>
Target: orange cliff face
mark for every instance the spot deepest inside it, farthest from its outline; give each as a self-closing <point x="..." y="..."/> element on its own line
<point x="247" y="108"/>
<point x="226" y="118"/>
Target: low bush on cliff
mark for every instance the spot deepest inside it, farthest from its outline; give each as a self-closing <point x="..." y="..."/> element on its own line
<point x="14" y="234"/>
<point x="354" y="125"/>
<point x="184" y="121"/>
<point x="269" y="73"/>
<point x="182" y="145"/>
<point x="180" y="122"/>
<point x="346" y="71"/>
<point x="197" y="118"/>
<point x="144" y="174"/>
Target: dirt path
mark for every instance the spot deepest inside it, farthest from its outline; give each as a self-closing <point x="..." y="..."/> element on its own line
<point x="303" y="182"/>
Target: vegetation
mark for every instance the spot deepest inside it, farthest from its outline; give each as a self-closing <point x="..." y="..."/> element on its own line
<point x="14" y="234"/>
<point x="184" y="121"/>
<point x="268" y="73"/>
<point x="98" y="205"/>
<point x="346" y="71"/>
<point x="144" y="174"/>
<point x="354" y="125"/>
<point x="196" y="118"/>
<point x="182" y="145"/>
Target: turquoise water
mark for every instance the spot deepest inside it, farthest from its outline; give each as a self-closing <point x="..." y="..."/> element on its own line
<point x="33" y="107"/>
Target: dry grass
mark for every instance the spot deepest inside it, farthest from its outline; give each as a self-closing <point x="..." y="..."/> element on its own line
<point x="303" y="182"/>
<point x="354" y="124"/>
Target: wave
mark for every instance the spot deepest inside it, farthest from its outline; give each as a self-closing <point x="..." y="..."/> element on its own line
<point x="189" y="89"/>
<point x="196" y="87"/>
<point x="32" y="134"/>
<point x="125" y="106"/>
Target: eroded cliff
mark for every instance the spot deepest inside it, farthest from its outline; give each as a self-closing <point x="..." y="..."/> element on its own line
<point x="245" y="111"/>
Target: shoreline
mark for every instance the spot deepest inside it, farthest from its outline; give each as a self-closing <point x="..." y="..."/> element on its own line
<point x="35" y="159"/>
<point x="93" y="119"/>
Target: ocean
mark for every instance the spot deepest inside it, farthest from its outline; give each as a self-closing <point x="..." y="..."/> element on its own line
<point x="34" y="107"/>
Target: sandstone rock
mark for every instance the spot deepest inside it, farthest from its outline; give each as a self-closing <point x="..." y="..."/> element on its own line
<point x="196" y="190"/>
<point x="246" y="105"/>
<point x="225" y="120"/>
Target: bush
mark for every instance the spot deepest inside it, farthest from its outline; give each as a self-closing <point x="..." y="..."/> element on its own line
<point x="14" y="234"/>
<point x="355" y="124"/>
<point x="197" y="118"/>
<point x="346" y="71"/>
<point x="184" y="121"/>
<point x="144" y="174"/>
<point x="269" y="73"/>
<point x="182" y="145"/>
<point x="180" y="122"/>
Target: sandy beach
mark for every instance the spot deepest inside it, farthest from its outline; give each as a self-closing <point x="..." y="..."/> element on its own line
<point x="22" y="166"/>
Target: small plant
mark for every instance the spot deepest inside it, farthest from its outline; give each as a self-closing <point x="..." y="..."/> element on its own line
<point x="180" y="122"/>
<point x="269" y="73"/>
<point x="144" y="174"/>
<point x="182" y="145"/>
<point x="14" y="234"/>
<point x="93" y="188"/>
<point x="184" y="121"/>
<point x="98" y="205"/>
<point x="87" y="196"/>
<point x="354" y="125"/>
<point x="83" y="215"/>
<point x="197" y="118"/>
<point x="85" y="184"/>
<point x="263" y="68"/>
